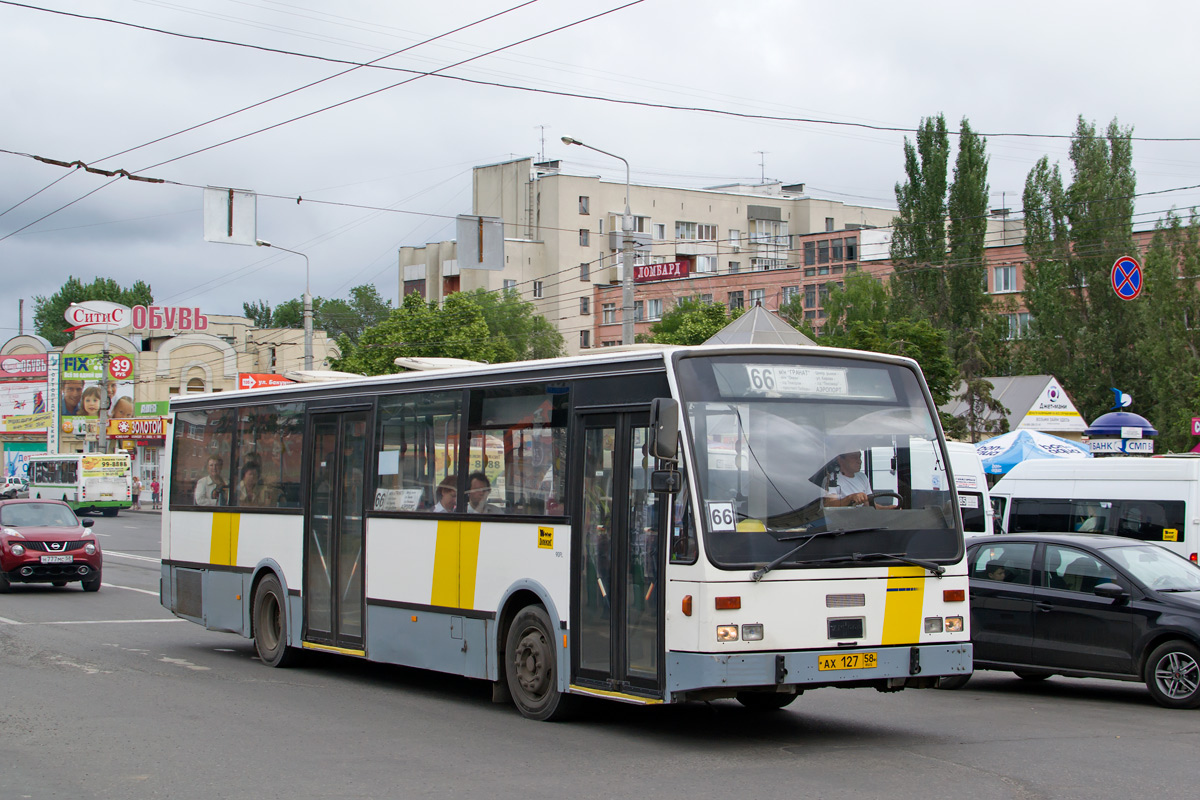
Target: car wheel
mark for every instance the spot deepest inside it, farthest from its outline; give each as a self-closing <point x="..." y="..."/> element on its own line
<point x="5" y="585"/>
<point x="1173" y="675"/>
<point x="953" y="681"/>
<point x="531" y="667"/>
<point x="1031" y="674"/>
<point x="270" y="624"/>
<point x="766" y="701"/>
<point x="92" y="583"/>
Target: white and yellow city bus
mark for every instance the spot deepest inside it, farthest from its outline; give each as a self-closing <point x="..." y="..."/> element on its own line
<point x="649" y="526"/>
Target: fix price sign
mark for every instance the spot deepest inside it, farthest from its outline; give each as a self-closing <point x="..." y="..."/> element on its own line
<point x="1127" y="278"/>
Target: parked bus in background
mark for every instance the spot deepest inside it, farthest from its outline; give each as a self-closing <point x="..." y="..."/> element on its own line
<point x="86" y="481"/>
<point x="974" y="499"/>
<point x="649" y="527"/>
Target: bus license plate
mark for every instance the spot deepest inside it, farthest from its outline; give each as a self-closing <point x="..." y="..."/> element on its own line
<point x="106" y="495"/>
<point x="57" y="559"/>
<point x="847" y="661"/>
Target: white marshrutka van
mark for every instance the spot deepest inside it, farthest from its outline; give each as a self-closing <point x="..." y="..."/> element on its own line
<point x="974" y="500"/>
<point x="1152" y="499"/>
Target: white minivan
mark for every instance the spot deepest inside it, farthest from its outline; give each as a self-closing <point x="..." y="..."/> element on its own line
<point x="973" y="497"/>
<point x="1152" y="499"/>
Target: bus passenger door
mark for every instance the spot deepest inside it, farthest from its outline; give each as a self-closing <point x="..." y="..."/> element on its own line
<point x="618" y="611"/>
<point x="334" y="533"/>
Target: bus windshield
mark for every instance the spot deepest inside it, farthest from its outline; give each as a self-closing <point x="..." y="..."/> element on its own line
<point x="817" y="458"/>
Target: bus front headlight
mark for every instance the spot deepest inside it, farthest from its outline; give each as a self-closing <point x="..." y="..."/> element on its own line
<point x="727" y="633"/>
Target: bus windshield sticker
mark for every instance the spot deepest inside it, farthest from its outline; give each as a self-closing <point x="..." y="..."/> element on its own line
<point x="784" y="381"/>
<point x="721" y="517"/>
<point x="968" y="501"/>
<point x="397" y="499"/>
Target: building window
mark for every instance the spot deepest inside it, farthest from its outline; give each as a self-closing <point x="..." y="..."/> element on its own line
<point x="735" y="266"/>
<point x="810" y="272"/>
<point x="823" y="293"/>
<point x="810" y="296"/>
<point x="789" y="293"/>
<point x="707" y="233"/>
<point x="584" y="205"/>
<point x="757" y="297"/>
<point x="822" y="270"/>
<point x="851" y="267"/>
<point x="537" y="289"/>
<point x="706" y="263"/>
<point x="685" y="230"/>
<point x="810" y="315"/>
<point x="660" y="231"/>
<point x="585" y="271"/>
<point x="1004" y="279"/>
<point x="851" y="248"/>
<point x="637" y="311"/>
<point x="736" y="300"/>
<point x="585" y="237"/>
<point x="1018" y="324"/>
<point x="735" y="240"/>
<point x="836" y="269"/>
<point x="585" y="339"/>
<point x="654" y="308"/>
<point x="585" y="305"/>
<point x="828" y="224"/>
<point x="770" y="231"/>
<point x="823" y="252"/>
<point x="510" y="283"/>
<point x="608" y="314"/>
<point x="836" y="245"/>
<point x="760" y="264"/>
<point x="706" y="298"/>
<point x="600" y="226"/>
<point x="810" y="252"/>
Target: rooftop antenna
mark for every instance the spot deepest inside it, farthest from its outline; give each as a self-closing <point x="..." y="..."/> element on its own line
<point x="542" y="152"/>
<point x="762" y="166"/>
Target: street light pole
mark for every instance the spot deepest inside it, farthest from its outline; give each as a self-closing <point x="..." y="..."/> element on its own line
<point x="308" y="312"/>
<point x="626" y="249"/>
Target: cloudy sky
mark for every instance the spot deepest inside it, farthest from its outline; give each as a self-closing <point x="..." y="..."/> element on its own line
<point x="393" y="168"/>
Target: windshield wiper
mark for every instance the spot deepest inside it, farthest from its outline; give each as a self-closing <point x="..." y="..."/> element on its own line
<point x="936" y="569"/>
<point x="759" y="573"/>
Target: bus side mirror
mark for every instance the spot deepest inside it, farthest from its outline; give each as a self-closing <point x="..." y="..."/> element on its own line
<point x="664" y="428"/>
<point x="666" y="481"/>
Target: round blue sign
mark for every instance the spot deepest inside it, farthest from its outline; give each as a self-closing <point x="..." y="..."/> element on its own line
<point x="1127" y="278"/>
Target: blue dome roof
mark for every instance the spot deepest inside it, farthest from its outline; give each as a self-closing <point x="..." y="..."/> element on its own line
<point x="1110" y="424"/>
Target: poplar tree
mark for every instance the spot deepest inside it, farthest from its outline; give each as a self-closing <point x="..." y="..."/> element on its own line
<point x="919" y="230"/>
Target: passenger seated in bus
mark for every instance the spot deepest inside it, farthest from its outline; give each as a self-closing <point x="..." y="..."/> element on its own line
<point x="210" y="489"/>
<point x="478" y="493"/>
<point x="848" y="485"/>
<point x="251" y="492"/>
<point x="447" y="495"/>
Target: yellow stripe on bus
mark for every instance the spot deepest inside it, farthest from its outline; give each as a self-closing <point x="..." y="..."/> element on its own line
<point x="468" y="564"/>
<point x="455" y="564"/>
<point x="905" y="599"/>
<point x="224" y="546"/>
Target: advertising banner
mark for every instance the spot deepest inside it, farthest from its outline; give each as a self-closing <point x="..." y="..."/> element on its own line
<point x="99" y="466"/>
<point x="81" y="395"/>
<point x="23" y="407"/>
<point x="138" y="428"/>
<point x="661" y="272"/>
<point x="52" y="405"/>
<point x="23" y="366"/>
<point x="256" y="380"/>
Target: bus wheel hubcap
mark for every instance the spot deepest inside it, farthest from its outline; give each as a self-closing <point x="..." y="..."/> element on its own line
<point x="530" y="661"/>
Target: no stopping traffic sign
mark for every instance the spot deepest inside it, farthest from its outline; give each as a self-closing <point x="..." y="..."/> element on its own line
<point x="1127" y="278"/>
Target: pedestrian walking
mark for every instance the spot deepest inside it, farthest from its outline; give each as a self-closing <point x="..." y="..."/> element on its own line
<point x="137" y="493"/>
<point x="154" y="496"/>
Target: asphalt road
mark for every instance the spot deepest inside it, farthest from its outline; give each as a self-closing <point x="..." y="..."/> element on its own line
<point x="108" y="696"/>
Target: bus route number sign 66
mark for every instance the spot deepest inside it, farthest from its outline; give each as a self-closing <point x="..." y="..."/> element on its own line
<point x="721" y="517"/>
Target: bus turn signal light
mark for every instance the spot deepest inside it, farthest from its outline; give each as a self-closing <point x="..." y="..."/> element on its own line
<point x="954" y="595"/>
<point x="687" y="605"/>
<point x="729" y="603"/>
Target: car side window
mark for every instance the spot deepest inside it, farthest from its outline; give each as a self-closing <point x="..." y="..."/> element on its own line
<point x="1003" y="562"/>
<point x="1074" y="570"/>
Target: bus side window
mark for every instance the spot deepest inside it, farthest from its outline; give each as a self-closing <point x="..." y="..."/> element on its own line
<point x="417" y="450"/>
<point x="684" y="548"/>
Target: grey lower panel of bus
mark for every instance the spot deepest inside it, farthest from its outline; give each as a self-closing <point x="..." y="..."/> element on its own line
<point x="688" y="671"/>
<point x="215" y="599"/>
<point x="438" y="641"/>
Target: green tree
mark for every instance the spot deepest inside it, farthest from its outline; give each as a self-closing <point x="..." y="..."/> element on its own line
<point x="516" y="330"/>
<point x="968" y="210"/>
<point x="1084" y="336"/>
<point x="259" y="312"/>
<point x="862" y="298"/>
<point x="919" y="235"/>
<point x="692" y="321"/>
<point x="48" y="319"/>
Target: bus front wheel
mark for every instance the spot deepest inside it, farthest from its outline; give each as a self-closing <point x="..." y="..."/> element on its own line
<point x="270" y="624"/>
<point x="531" y="667"/>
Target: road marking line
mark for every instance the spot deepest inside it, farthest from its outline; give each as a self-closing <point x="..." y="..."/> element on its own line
<point x="8" y="621"/>
<point x="131" y="555"/>
<point x="103" y="621"/>
<point x="130" y="589"/>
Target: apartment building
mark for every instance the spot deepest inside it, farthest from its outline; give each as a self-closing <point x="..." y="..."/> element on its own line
<point x="563" y="241"/>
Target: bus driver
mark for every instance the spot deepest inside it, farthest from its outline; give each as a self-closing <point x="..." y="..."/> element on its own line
<point x="849" y="485"/>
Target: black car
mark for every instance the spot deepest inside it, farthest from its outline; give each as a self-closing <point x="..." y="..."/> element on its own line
<point x="1086" y="606"/>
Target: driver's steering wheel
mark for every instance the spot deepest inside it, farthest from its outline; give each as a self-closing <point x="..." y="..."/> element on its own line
<point x="871" y="498"/>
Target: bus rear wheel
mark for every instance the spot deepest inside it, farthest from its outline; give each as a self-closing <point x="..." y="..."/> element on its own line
<point x="531" y="667"/>
<point x="270" y="624"/>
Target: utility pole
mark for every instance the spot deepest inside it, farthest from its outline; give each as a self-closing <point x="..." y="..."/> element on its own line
<point x="102" y="419"/>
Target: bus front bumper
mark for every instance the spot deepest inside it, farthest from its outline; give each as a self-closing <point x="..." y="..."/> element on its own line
<point x="891" y="667"/>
